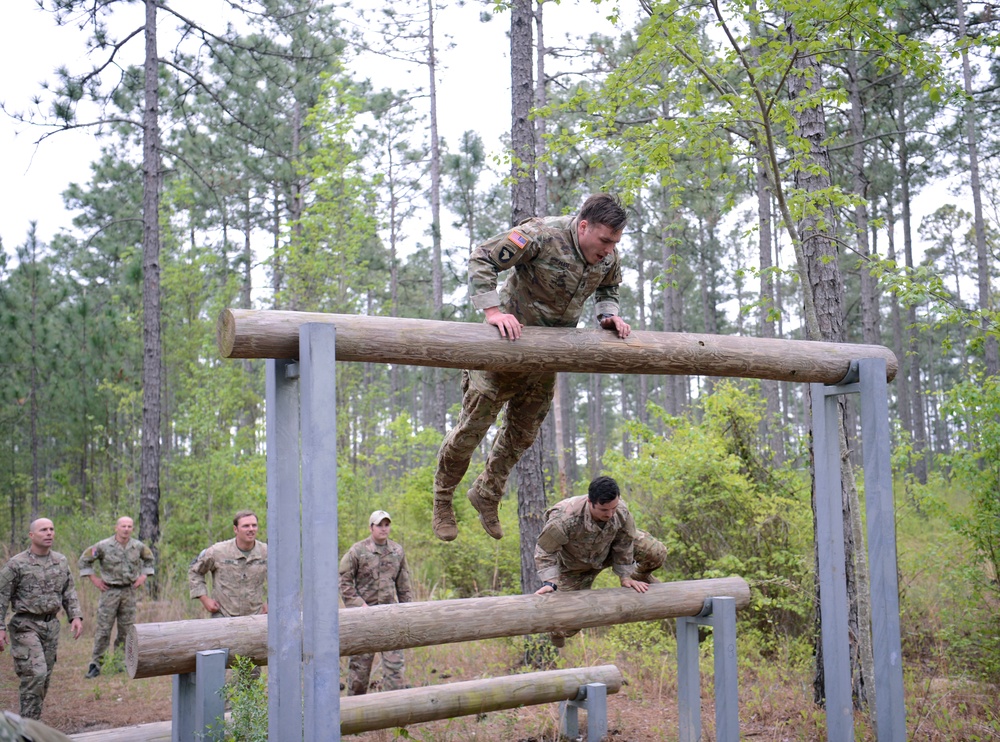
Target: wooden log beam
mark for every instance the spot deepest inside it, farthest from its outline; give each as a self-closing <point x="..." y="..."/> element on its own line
<point x="399" y="708"/>
<point x="170" y="647"/>
<point x="247" y="333"/>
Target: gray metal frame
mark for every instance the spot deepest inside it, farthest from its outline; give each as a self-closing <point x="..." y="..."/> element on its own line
<point x="720" y="614"/>
<point x="867" y="378"/>
<point x="303" y="629"/>
<point x="592" y="698"/>
<point x="197" y="704"/>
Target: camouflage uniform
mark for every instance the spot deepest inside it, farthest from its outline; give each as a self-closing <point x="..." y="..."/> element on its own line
<point x="573" y="548"/>
<point x="238" y="579"/>
<point x="549" y="287"/>
<point x="374" y="575"/>
<point x="15" y="729"/>
<point x="36" y="587"/>
<point x="120" y="567"/>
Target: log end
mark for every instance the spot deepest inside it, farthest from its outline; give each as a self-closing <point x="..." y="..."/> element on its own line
<point x="131" y="652"/>
<point x="225" y="333"/>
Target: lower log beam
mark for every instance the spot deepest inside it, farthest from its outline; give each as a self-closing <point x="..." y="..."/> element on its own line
<point x="416" y="705"/>
<point x="169" y="648"/>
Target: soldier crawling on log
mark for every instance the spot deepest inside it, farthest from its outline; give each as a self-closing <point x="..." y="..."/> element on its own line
<point x="559" y="263"/>
<point x="585" y="535"/>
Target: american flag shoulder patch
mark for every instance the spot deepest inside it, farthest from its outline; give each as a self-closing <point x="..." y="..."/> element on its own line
<point x="517" y="239"/>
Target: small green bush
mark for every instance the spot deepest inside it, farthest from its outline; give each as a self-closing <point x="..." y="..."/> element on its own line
<point x="246" y="694"/>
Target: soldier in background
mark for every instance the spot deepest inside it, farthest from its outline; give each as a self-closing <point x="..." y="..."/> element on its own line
<point x="585" y="535"/>
<point x="36" y="583"/>
<point x="15" y="729"/>
<point x="125" y="564"/>
<point x="239" y="572"/>
<point x="374" y="572"/>
<point x="560" y="262"/>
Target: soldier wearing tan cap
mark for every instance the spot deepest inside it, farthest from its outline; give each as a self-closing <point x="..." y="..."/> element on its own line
<point x="374" y="572"/>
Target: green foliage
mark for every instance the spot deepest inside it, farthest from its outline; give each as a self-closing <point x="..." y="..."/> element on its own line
<point x="247" y="697"/>
<point x="974" y="408"/>
<point x="332" y="244"/>
<point x="708" y="492"/>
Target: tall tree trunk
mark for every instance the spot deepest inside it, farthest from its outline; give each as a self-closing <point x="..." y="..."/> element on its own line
<point x="672" y="386"/>
<point x="822" y="281"/>
<point x="561" y="414"/>
<point x="541" y="99"/>
<point x="149" y="498"/>
<point x="918" y="432"/>
<point x="530" y="490"/>
<point x="440" y="403"/>
<point x="902" y="382"/>
<point x="870" y="315"/>
<point x="770" y="426"/>
<point x="983" y="262"/>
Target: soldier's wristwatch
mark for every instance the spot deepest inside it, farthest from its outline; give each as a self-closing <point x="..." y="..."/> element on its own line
<point x="553" y="585"/>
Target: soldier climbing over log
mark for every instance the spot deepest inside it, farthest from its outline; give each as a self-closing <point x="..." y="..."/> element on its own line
<point x="559" y="263"/>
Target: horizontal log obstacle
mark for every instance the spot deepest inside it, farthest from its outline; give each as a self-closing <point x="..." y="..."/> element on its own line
<point x="169" y="648"/>
<point x="400" y="708"/>
<point x="248" y="333"/>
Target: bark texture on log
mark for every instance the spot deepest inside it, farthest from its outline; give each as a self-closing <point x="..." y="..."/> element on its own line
<point x="399" y="708"/>
<point x="168" y="648"/>
<point x="247" y="333"/>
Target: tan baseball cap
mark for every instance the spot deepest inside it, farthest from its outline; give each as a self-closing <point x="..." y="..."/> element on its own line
<point x="377" y="517"/>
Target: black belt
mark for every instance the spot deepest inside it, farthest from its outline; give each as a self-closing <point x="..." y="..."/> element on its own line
<point x="38" y="616"/>
<point x="127" y="584"/>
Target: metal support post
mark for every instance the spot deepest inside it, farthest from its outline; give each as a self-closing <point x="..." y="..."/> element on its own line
<point x="890" y="711"/>
<point x="284" y="555"/>
<point x="593" y="698"/>
<point x="321" y="626"/>
<point x="182" y="728"/>
<point x="688" y="680"/>
<point x="727" y="709"/>
<point x="720" y="614"/>
<point x="198" y="702"/>
<point x="832" y="577"/>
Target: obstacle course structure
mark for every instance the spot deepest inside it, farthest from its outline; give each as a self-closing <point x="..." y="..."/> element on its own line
<point x="302" y="351"/>
<point x="196" y="653"/>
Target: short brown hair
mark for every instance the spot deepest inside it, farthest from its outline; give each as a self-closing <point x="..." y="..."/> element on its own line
<point x="603" y="208"/>
<point x="243" y="514"/>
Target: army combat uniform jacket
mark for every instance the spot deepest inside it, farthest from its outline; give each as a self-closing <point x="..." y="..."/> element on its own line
<point x="572" y="543"/>
<point x="551" y="280"/>
<point x="37" y="587"/>
<point x="238" y="579"/>
<point x="374" y="575"/>
<point x="120" y="565"/>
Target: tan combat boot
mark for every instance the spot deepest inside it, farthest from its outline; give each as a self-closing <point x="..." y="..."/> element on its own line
<point x="443" y="522"/>
<point x="487" y="510"/>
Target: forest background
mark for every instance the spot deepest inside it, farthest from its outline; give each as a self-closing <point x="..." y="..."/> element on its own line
<point x="770" y="154"/>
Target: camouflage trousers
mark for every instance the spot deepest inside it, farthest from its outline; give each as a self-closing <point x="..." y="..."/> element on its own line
<point x="649" y="555"/>
<point x="116" y="604"/>
<point x="33" y="646"/>
<point x="525" y="401"/>
<point x="359" y="671"/>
